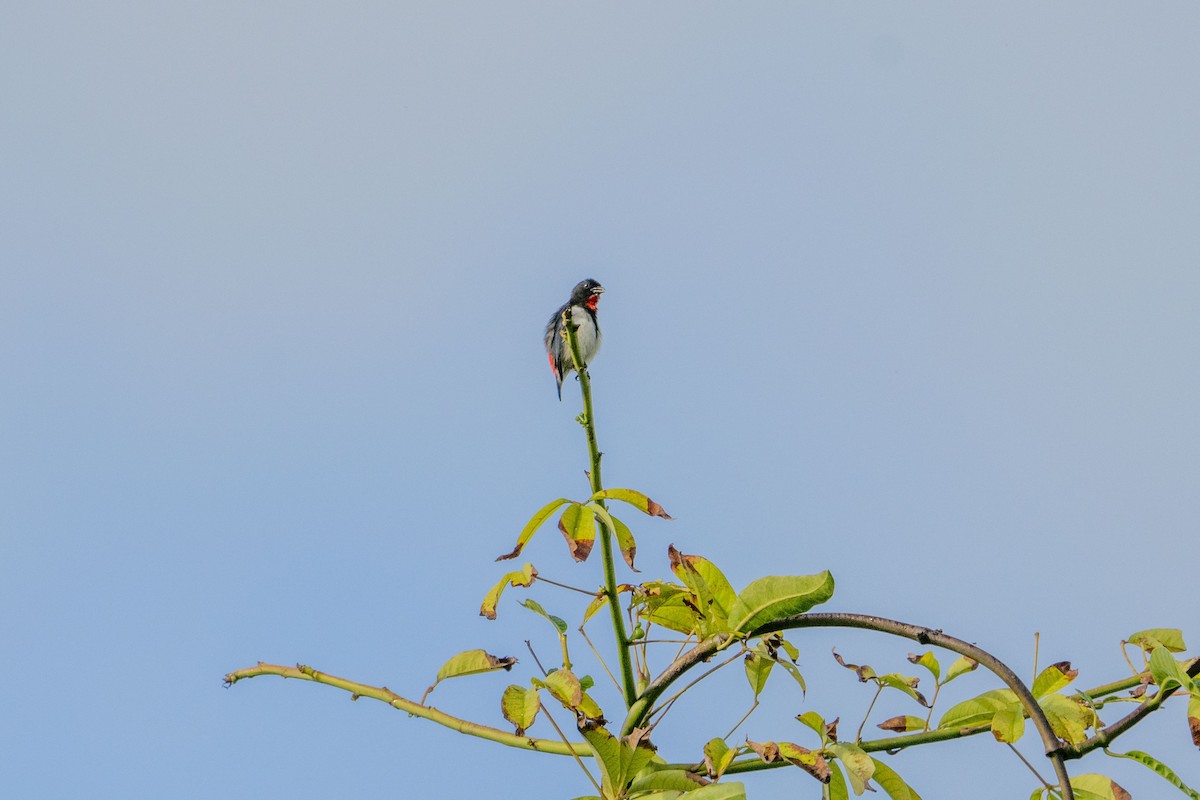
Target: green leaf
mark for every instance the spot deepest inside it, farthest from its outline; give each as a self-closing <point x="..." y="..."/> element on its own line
<point x="598" y="602"/>
<point x="1193" y="713"/>
<point x="664" y="780"/>
<point x="929" y="662"/>
<point x="670" y="606"/>
<point x="625" y="541"/>
<point x="892" y="783"/>
<point x="1053" y="678"/>
<point x="520" y="706"/>
<point x="578" y="527"/>
<point x="837" y="783"/>
<point x="961" y="666"/>
<point x="531" y="527"/>
<point x="769" y="599"/>
<point x="565" y="687"/>
<point x="1008" y="724"/>
<point x="792" y="652"/>
<point x="1069" y="719"/>
<point x="978" y="710"/>
<point x="607" y="750"/>
<point x="559" y="623"/>
<point x="811" y="761"/>
<point x="904" y="684"/>
<point x="758" y="669"/>
<point x="1168" y="673"/>
<point x="706" y="580"/>
<point x="815" y="721"/>
<point x="859" y="766"/>
<point x="1161" y="769"/>
<point x="712" y="600"/>
<point x="634" y="498"/>
<point x="1097" y="787"/>
<point x="719" y="791"/>
<point x="619" y="760"/>
<point x="471" y="662"/>
<point x="903" y="724"/>
<point x="523" y="577"/>
<point x="717" y="757"/>
<point x="794" y="671"/>
<point x="1170" y="638"/>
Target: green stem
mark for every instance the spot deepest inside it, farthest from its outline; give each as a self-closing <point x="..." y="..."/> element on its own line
<point x="606" y="546"/>
<point x="386" y="695"/>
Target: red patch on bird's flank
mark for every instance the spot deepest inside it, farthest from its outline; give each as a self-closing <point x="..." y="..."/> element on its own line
<point x="553" y="368"/>
<point x="592" y="301"/>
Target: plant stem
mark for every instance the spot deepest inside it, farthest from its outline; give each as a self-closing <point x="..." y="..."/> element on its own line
<point x="606" y="546"/>
<point x="386" y="695"/>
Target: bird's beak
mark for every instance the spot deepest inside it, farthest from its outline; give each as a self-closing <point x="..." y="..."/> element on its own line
<point x="597" y="290"/>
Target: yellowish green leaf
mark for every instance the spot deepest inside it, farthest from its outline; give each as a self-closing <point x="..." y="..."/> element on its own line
<point x="531" y="527"/>
<point x="928" y="661"/>
<point x="1097" y="787"/>
<point x="1008" y="724"/>
<point x="1168" y="674"/>
<point x="859" y="766"/>
<point x="1170" y="638"/>
<point x="961" y="665"/>
<point x="1053" y="678"/>
<point x="758" y="669"/>
<point x="717" y="757"/>
<point x="522" y="577"/>
<point x="903" y="724"/>
<point x="559" y="623"/>
<point x="578" y="527"/>
<point x="471" y="662"/>
<point x="1069" y="719"/>
<point x="1160" y="769"/>
<point x="811" y="761"/>
<point x="892" y="783"/>
<point x="1193" y="713"/>
<point x="769" y="599"/>
<point x="520" y="706"/>
<point x="837" y="783"/>
<point x="978" y="710"/>
<point x="634" y="498"/>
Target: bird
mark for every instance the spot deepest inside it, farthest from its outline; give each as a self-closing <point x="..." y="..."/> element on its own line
<point x="584" y="298"/>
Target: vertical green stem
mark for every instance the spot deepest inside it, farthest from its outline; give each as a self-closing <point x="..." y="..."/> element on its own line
<point x="606" y="548"/>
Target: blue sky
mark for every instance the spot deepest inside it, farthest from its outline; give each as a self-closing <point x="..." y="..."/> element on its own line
<point x="908" y="292"/>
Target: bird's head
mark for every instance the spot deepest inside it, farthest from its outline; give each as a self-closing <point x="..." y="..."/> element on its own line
<point x="587" y="293"/>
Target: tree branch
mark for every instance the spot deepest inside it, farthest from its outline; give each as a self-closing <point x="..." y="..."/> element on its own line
<point x="386" y="695"/>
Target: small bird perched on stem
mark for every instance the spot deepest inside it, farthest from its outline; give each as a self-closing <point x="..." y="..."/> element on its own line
<point x="584" y="298"/>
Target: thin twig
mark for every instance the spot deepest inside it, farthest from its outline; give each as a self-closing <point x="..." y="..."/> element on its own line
<point x="745" y="717"/>
<point x="541" y="577"/>
<point x="536" y="660"/>
<point x="1025" y="761"/>
<point x="870" y="708"/>
<point x="562" y="736"/>
<point x="599" y="658"/>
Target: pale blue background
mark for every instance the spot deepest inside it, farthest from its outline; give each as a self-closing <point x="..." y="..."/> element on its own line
<point x="905" y="291"/>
